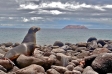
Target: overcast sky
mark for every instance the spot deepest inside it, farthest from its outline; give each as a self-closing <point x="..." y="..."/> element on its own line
<point x="56" y="13"/>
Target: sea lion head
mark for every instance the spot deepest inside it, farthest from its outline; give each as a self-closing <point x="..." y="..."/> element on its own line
<point x="34" y="29"/>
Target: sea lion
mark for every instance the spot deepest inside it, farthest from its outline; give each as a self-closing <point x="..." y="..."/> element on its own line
<point x="24" y="48"/>
<point x="31" y="35"/>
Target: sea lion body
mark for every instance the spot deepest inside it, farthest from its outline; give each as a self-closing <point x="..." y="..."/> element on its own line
<point x="31" y="35"/>
<point x="27" y="47"/>
<point x="24" y="48"/>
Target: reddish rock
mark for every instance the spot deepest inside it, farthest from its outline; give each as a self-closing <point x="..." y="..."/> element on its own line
<point x="101" y="50"/>
<point x="6" y="64"/>
<point x="32" y="69"/>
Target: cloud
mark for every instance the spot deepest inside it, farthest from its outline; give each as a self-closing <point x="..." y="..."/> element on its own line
<point x="53" y="11"/>
<point x="64" y="6"/>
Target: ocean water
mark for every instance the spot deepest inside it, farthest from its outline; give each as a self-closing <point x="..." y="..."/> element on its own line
<point x="49" y="36"/>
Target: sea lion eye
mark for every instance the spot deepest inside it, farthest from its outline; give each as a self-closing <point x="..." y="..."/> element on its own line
<point x="36" y="29"/>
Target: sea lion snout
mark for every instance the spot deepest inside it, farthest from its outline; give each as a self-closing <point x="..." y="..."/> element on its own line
<point x="36" y="29"/>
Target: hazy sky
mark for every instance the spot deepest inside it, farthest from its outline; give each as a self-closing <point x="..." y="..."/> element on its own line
<point x="56" y="13"/>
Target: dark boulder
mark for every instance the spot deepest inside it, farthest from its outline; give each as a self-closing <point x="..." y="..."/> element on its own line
<point x="102" y="42"/>
<point x="103" y="63"/>
<point x="89" y="59"/>
<point x="91" y="39"/>
<point x="58" y="43"/>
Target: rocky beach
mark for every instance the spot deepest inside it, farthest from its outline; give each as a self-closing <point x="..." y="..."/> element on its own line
<point x="91" y="57"/>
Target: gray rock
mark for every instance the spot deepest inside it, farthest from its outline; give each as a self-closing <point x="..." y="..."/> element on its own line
<point x="52" y="71"/>
<point x="89" y="70"/>
<point x="2" y="68"/>
<point x="24" y="61"/>
<point x="15" y="68"/>
<point x="76" y="62"/>
<point x="92" y="45"/>
<point x="58" y="50"/>
<point x="69" y="44"/>
<point x="83" y="54"/>
<point x="60" y="69"/>
<point x="2" y="72"/>
<point x="66" y="47"/>
<point x="16" y="44"/>
<point x="38" y="53"/>
<point x="72" y="72"/>
<point x="79" y="68"/>
<point x="109" y="47"/>
<point x="70" y="67"/>
<point x="63" y="59"/>
<point x="79" y="49"/>
<point x="8" y="44"/>
<point x="73" y="47"/>
<point x="81" y="44"/>
<point x="71" y="63"/>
